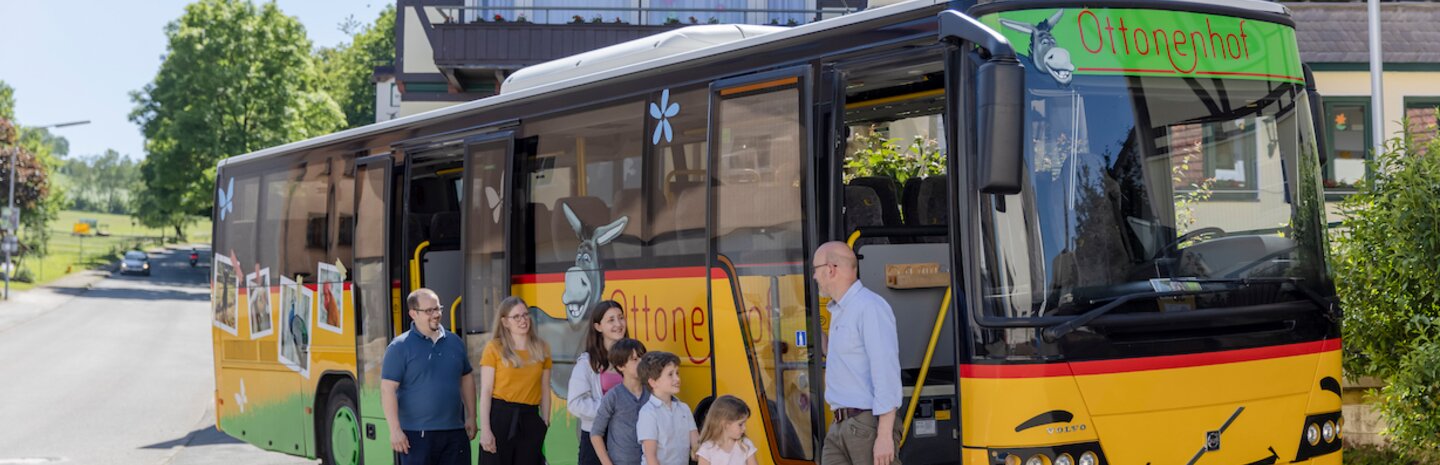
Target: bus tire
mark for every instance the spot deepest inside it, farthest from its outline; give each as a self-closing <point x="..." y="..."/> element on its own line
<point x="340" y="438"/>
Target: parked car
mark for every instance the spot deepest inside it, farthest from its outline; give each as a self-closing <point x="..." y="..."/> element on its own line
<point x="135" y="262"/>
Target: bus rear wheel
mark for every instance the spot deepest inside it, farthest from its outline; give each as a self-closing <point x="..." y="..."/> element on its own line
<point x="341" y="435"/>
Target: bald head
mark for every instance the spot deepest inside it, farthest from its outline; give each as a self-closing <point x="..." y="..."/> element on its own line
<point x="836" y="252"/>
<point x="835" y="268"/>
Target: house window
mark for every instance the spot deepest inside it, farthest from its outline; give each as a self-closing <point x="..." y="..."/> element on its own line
<point x="1420" y="117"/>
<point x="1348" y="135"/>
<point x="1231" y="149"/>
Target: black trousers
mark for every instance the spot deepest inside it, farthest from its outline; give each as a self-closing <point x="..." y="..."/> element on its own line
<point x="587" y="450"/>
<point x="519" y="433"/>
<point x="446" y="447"/>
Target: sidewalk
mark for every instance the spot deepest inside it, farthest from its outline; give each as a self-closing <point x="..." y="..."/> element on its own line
<point x="26" y="305"/>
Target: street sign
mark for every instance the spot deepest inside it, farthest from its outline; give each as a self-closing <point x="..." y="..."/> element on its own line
<point x="10" y="244"/>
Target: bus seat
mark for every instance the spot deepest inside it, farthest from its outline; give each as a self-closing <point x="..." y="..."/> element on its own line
<point x="910" y="201"/>
<point x="862" y="208"/>
<point x="685" y="222"/>
<point x="934" y="204"/>
<point x="417" y="227"/>
<point x="592" y="213"/>
<point x="884" y="188"/>
<point x="630" y="204"/>
<point x="445" y="229"/>
<point x="764" y="221"/>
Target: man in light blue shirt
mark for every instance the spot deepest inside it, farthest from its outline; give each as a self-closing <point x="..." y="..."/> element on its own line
<point x="862" y="372"/>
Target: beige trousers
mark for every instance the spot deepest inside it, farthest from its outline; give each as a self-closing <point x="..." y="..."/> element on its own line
<point x="852" y="442"/>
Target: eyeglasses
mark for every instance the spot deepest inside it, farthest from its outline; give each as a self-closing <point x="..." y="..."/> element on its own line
<point x="430" y="311"/>
<point x="518" y="318"/>
<point x="819" y="265"/>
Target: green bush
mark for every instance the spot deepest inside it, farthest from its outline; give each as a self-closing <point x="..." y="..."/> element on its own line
<point x="1387" y="259"/>
<point x="1410" y="402"/>
<point x="1371" y="455"/>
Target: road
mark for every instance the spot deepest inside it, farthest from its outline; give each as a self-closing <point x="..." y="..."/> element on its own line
<point x="114" y="370"/>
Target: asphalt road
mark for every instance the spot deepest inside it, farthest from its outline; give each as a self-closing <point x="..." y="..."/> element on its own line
<point x="115" y="370"/>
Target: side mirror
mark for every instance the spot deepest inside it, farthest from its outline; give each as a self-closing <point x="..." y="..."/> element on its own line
<point x="1000" y="125"/>
<point x="999" y="103"/>
<point x="1317" y="114"/>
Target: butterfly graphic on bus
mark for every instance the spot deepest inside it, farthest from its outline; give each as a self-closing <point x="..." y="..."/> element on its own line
<point x="224" y="199"/>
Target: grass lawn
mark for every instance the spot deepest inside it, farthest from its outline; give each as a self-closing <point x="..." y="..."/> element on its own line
<point x="65" y="247"/>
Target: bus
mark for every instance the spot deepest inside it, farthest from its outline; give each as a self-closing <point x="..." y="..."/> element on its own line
<point x="1099" y="224"/>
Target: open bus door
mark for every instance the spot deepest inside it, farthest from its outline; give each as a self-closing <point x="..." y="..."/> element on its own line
<point x="373" y="289"/>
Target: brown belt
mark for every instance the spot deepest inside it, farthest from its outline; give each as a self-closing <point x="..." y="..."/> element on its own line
<point x="844" y="413"/>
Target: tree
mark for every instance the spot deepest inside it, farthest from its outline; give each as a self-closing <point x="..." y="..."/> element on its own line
<point x="35" y="153"/>
<point x="1389" y="283"/>
<point x="235" y="78"/>
<point x="346" y="69"/>
<point x="101" y="183"/>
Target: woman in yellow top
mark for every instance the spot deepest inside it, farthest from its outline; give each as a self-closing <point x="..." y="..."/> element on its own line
<point x="514" y="389"/>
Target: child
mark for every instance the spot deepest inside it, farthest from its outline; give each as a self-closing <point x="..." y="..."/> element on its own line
<point x="722" y="440"/>
<point x="588" y="380"/>
<point x="666" y="428"/>
<point x="613" y="432"/>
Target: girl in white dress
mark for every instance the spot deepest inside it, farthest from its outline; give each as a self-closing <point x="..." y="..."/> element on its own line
<point x="722" y="440"/>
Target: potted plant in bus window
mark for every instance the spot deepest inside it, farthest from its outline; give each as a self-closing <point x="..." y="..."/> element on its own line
<point x="498" y="18"/>
<point x="598" y="20"/>
<point x="672" y="21"/>
<point x="712" y="20"/>
<point x="577" y="20"/>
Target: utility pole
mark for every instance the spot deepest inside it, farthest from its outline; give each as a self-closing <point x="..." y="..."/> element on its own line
<point x="1377" y="91"/>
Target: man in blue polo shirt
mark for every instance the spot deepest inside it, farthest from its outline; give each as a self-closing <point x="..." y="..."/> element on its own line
<point x="427" y="389"/>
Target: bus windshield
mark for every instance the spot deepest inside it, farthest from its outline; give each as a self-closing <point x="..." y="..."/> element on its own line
<point x="1158" y="184"/>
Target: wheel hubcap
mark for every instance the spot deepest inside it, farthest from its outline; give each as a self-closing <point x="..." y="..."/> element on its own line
<point x="345" y="437"/>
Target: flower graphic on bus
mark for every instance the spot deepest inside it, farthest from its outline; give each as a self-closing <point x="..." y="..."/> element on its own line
<point x="663" y="112"/>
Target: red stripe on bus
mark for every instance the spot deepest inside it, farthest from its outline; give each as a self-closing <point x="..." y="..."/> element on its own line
<point x="654" y="273"/>
<point x="1203" y="73"/>
<point x="1129" y="365"/>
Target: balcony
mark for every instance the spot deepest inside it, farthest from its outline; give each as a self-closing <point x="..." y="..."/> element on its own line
<point x="475" y="47"/>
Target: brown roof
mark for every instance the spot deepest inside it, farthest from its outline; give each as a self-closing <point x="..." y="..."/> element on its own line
<point x="1339" y="32"/>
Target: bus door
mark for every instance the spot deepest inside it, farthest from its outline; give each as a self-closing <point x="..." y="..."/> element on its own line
<point x="893" y="211"/>
<point x="374" y="292"/>
<point x="486" y="215"/>
<point x="433" y="221"/>
<point x="759" y="135"/>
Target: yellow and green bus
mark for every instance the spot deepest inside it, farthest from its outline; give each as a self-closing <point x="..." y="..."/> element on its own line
<point x="1100" y="225"/>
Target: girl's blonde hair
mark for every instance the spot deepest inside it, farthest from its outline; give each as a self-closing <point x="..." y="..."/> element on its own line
<point x="725" y="410"/>
<point x="538" y="350"/>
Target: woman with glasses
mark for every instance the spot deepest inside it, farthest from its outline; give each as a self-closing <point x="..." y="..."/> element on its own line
<point x="514" y="389"/>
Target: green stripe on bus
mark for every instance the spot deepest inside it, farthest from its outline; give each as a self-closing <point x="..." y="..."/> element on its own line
<point x="1155" y="43"/>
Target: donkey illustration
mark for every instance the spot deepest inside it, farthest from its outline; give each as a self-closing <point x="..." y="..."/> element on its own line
<point x="1049" y="57"/>
<point x="584" y="287"/>
<point x="585" y="282"/>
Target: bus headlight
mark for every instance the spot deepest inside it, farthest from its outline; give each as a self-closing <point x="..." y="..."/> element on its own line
<point x="1085" y="453"/>
<point x="1318" y="436"/>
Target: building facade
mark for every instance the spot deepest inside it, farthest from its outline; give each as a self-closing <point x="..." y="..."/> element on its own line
<point x="452" y="51"/>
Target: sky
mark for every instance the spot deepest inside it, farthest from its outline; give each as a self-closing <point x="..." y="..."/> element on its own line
<point x="80" y="59"/>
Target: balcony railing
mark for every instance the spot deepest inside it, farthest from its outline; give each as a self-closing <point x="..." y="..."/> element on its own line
<point x="634" y="16"/>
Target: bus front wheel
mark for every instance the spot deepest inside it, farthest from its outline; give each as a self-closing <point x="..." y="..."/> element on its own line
<point x="341" y="436"/>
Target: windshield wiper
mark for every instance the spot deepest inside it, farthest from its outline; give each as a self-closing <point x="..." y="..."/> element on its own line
<point x="1179" y="287"/>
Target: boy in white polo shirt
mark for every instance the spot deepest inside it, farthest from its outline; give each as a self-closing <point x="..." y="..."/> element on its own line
<point x="666" y="428"/>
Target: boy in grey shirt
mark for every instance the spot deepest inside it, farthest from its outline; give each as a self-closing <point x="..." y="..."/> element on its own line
<point x="613" y="433"/>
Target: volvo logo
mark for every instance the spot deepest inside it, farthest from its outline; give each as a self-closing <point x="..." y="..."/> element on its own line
<point x="1212" y="438"/>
